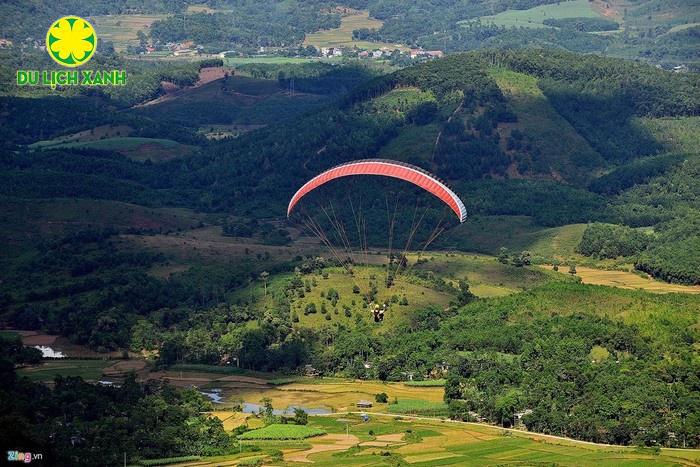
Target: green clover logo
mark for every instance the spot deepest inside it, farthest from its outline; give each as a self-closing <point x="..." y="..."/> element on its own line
<point x="71" y="41"/>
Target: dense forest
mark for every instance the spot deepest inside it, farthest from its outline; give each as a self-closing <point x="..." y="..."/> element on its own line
<point x="141" y="421"/>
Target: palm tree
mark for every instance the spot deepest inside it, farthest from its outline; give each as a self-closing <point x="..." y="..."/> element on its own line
<point x="264" y="275"/>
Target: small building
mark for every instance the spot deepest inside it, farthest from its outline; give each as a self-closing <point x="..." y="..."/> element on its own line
<point x="310" y="371"/>
<point x="363" y="404"/>
<point x="519" y="417"/>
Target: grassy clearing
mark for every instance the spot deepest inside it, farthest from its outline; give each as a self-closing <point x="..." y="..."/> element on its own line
<point x="93" y="134"/>
<point x="562" y="150"/>
<point x="137" y="148"/>
<point x="487" y="234"/>
<point x="283" y="432"/>
<point x="534" y="17"/>
<point x="342" y="36"/>
<point x="558" y="242"/>
<point x="486" y="276"/>
<point x="121" y="29"/>
<point x="680" y="134"/>
<point x="47" y="371"/>
<point x="419" y="294"/>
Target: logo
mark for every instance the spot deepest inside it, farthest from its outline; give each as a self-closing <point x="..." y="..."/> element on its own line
<point x="71" y="41"/>
<point x="26" y="457"/>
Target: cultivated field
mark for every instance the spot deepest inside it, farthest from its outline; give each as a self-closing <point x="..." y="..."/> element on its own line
<point x="333" y="394"/>
<point x="282" y="432"/>
<point x="534" y="17"/>
<point x="121" y="29"/>
<point x="342" y="36"/>
<point x="630" y="280"/>
<point x="386" y="440"/>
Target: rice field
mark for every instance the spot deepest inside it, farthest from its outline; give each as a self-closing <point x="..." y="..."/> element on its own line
<point x="388" y="440"/>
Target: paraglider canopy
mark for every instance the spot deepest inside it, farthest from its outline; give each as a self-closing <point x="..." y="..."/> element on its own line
<point x="385" y="168"/>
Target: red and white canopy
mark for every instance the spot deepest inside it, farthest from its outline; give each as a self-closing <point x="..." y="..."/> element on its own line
<point x="385" y="168"/>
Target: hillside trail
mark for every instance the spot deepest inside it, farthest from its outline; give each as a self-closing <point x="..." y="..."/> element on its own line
<point x="439" y="135"/>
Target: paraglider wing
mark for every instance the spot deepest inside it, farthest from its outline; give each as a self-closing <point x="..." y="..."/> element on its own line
<point x="385" y="168"/>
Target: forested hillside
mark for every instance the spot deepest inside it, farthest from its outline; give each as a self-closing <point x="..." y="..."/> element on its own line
<point x="190" y="259"/>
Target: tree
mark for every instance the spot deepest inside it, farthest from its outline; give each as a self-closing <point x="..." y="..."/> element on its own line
<point x="267" y="411"/>
<point x="523" y="259"/>
<point x="263" y="276"/>
<point x="503" y="256"/>
<point x="382" y="398"/>
<point x="465" y="295"/>
<point x="300" y="417"/>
